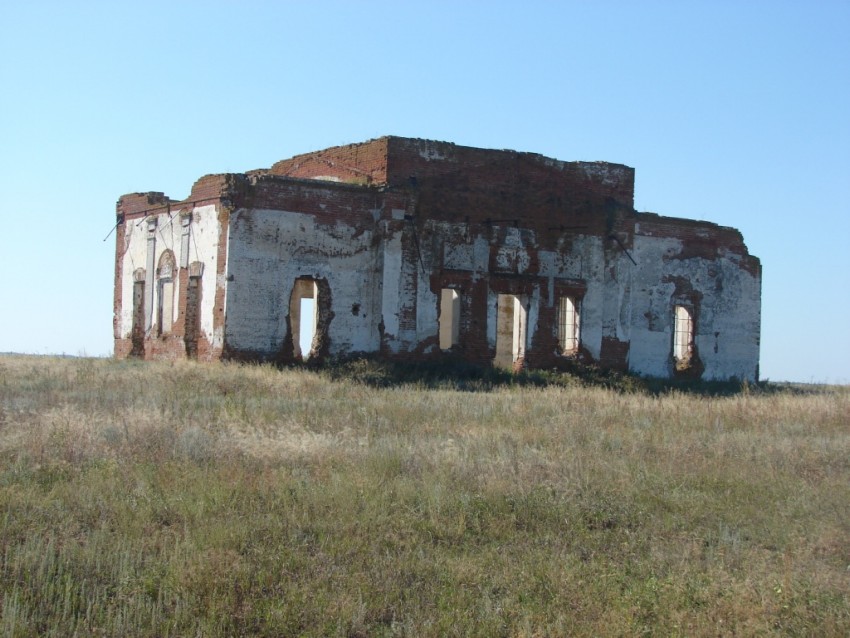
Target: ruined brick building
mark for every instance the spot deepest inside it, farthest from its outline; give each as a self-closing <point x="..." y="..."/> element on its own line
<point x="418" y="249"/>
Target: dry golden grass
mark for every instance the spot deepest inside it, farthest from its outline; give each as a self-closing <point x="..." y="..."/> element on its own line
<point x="190" y="499"/>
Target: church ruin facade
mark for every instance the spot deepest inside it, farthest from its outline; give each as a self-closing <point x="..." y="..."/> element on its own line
<point x="415" y="249"/>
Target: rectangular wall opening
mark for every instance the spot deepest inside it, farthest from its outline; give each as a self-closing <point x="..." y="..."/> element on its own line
<point x="193" y="300"/>
<point x="137" y="335"/>
<point x="568" y="325"/>
<point x="303" y="317"/>
<point x="308" y="325"/>
<point x="683" y="336"/>
<point x="165" y="292"/>
<point x="510" y="330"/>
<point x="449" y="318"/>
<point x="166" y="306"/>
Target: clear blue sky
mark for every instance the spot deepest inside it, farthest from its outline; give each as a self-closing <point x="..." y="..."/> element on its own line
<point x="733" y="112"/>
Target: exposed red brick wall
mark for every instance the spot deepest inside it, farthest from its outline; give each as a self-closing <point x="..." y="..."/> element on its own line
<point x="171" y="347"/>
<point x="506" y="171"/>
<point x="122" y="348"/>
<point x="210" y="187"/>
<point x="699" y="238"/>
<point x="461" y="183"/>
<point x="327" y="201"/>
<point x="364" y="163"/>
<point x="207" y="190"/>
<point x="614" y="354"/>
<point x="137" y="204"/>
<point x="118" y="290"/>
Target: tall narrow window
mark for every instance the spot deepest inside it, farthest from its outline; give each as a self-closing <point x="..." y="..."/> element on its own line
<point x="137" y="335"/>
<point x="449" y="318"/>
<point x="307" y="330"/>
<point x="193" y="309"/>
<point x="510" y="330"/>
<point x="568" y="325"/>
<point x="683" y="336"/>
<point x="303" y="317"/>
<point x="165" y="273"/>
<point x="150" y="273"/>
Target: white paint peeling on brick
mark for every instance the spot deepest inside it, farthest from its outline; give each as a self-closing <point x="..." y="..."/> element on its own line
<point x="268" y="250"/>
<point x="380" y="272"/>
<point x="205" y="234"/>
<point x="203" y="247"/>
<point x="391" y="285"/>
<point x="726" y="316"/>
<point x="431" y="153"/>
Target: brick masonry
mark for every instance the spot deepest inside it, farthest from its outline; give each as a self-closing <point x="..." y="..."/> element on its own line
<point x="383" y="226"/>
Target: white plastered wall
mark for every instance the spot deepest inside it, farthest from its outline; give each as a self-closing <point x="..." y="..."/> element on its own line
<point x="204" y="235"/>
<point x="580" y="258"/>
<point x="728" y="312"/>
<point x="268" y="250"/>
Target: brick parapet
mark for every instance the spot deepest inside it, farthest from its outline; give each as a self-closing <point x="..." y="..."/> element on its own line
<point x="493" y="184"/>
<point x="506" y="172"/>
<point x="364" y="163"/>
<point x="329" y="202"/>
<point x="207" y="190"/>
<point x="698" y="238"/>
<point x="139" y="204"/>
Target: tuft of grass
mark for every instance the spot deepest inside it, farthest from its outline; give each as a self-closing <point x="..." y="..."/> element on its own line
<point x="453" y="374"/>
<point x="368" y="499"/>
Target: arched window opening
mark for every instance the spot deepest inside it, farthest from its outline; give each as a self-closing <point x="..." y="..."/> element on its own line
<point x="683" y="336"/>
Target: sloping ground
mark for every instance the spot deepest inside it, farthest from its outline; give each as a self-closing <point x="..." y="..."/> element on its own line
<point x="181" y="499"/>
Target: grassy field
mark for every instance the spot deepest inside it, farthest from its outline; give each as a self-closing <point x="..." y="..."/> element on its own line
<point x="159" y="499"/>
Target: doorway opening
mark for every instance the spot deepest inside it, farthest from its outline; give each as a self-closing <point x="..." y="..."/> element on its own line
<point x="304" y="318"/>
<point x="511" y="318"/>
<point x="449" y="318"/>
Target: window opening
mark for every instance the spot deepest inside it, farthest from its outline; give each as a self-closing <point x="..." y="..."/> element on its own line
<point x="165" y="310"/>
<point x="303" y="317"/>
<point x="510" y="330"/>
<point x="568" y="325"/>
<point x="193" y="301"/>
<point x="683" y="336"/>
<point x="137" y="335"/>
<point x="166" y="305"/>
<point x="150" y="273"/>
<point x="449" y="318"/>
<point x="308" y="328"/>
